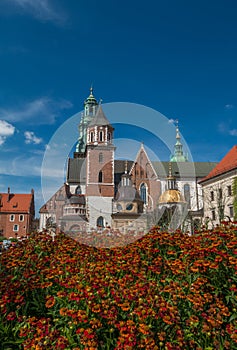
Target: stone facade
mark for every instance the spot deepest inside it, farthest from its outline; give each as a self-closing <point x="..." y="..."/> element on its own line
<point x="218" y="195"/>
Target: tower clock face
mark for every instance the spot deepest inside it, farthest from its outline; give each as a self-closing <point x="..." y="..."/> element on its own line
<point x="129" y="206"/>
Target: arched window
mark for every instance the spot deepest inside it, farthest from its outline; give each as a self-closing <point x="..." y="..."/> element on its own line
<point x="143" y="193"/>
<point x="101" y="136"/>
<point x="187" y="194"/>
<point x="109" y="136"/>
<point x="101" y="158"/>
<point x="100" y="177"/>
<point x="78" y="190"/>
<point x="100" y="221"/>
<point x="91" y="136"/>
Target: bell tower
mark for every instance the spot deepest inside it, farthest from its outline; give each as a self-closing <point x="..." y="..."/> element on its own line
<point x="90" y="108"/>
<point x="100" y="170"/>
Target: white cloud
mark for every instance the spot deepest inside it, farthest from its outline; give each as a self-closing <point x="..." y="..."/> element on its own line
<point x="25" y="165"/>
<point x="225" y="128"/>
<point x="233" y="132"/>
<point x="41" y="111"/>
<point x="229" y="106"/>
<point x="42" y="10"/>
<point x="30" y="137"/>
<point x="6" y="130"/>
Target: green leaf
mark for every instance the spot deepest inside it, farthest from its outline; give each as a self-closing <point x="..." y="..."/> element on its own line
<point x="233" y="317"/>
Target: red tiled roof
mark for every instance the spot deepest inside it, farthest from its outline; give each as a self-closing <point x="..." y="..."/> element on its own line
<point x="229" y="162"/>
<point x="11" y="202"/>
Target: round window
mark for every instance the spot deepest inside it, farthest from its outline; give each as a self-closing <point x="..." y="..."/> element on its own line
<point x="129" y="206"/>
<point x="119" y="207"/>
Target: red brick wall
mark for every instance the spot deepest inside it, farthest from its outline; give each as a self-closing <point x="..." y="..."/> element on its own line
<point x="106" y="187"/>
<point x="24" y="226"/>
<point x="143" y="173"/>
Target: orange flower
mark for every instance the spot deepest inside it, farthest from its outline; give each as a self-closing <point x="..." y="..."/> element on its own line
<point x="50" y="302"/>
<point x="144" y="329"/>
<point x="63" y="311"/>
<point x="96" y="308"/>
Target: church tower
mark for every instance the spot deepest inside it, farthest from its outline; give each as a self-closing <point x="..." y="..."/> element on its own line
<point x="90" y="109"/>
<point x="178" y="155"/>
<point x="99" y="170"/>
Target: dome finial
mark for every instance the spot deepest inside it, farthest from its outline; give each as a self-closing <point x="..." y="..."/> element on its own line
<point x="177" y="129"/>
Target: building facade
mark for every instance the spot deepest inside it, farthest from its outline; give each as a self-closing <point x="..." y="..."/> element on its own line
<point x="17" y="213"/>
<point x="219" y="190"/>
<point x="101" y="191"/>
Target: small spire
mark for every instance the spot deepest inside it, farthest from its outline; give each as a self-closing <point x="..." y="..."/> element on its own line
<point x="91" y="90"/>
<point x="170" y="170"/>
<point x="126" y="166"/>
<point x="178" y="155"/>
<point x="171" y="182"/>
<point x="177" y="130"/>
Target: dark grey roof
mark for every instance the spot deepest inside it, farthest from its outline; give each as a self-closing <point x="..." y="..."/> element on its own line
<point x="119" y="166"/>
<point x="100" y="118"/>
<point x="184" y="169"/>
<point x="76" y="170"/>
<point x="77" y="199"/>
<point x="127" y="194"/>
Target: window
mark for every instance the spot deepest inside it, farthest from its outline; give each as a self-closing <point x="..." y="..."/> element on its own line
<point x="119" y="207"/>
<point x="212" y="195"/>
<point x="229" y="190"/>
<point x="91" y="137"/>
<point x="213" y="213"/>
<point x="187" y="194"/>
<point x="78" y="190"/>
<point x="101" y="158"/>
<point x="21" y="217"/>
<point x="220" y="193"/>
<point x="101" y="136"/>
<point x="100" y="177"/>
<point x="109" y="136"/>
<point x="16" y="228"/>
<point x="231" y="212"/>
<point x="143" y="193"/>
<point x="129" y="206"/>
<point x="12" y="217"/>
<point x="100" y="221"/>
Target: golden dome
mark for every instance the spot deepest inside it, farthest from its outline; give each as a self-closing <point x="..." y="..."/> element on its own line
<point x="171" y="196"/>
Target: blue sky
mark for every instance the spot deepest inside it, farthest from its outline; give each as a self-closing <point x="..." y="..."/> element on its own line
<point x="176" y="57"/>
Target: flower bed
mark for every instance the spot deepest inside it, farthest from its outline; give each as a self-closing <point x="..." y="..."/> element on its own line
<point x="164" y="291"/>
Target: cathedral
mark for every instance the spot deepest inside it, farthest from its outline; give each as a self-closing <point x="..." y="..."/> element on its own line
<point x="102" y="192"/>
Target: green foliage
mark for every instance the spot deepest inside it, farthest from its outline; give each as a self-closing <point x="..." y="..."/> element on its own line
<point x="167" y="290"/>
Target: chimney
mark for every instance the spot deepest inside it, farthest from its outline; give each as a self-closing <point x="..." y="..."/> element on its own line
<point x="32" y="191"/>
<point x="8" y="191"/>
